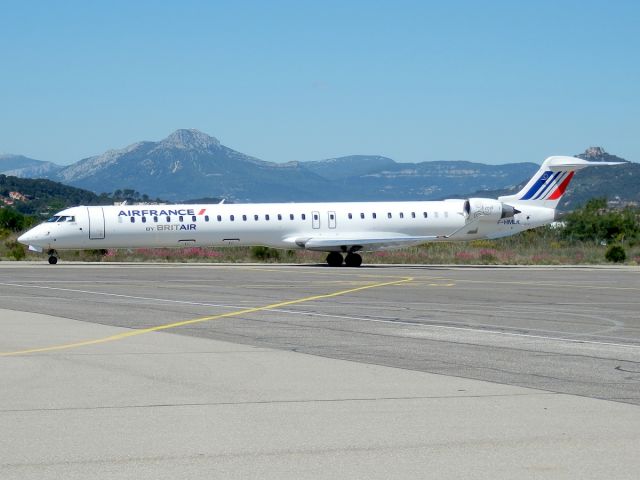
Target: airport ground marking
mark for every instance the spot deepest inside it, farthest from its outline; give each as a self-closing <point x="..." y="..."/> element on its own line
<point x="167" y="326"/>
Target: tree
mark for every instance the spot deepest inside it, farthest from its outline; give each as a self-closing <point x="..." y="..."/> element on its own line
<point x="595" y="223"/>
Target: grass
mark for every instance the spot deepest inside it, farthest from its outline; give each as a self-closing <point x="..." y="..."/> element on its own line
<point x="537" y="247"/>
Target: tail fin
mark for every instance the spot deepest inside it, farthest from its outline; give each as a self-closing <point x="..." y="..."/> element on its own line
<point x="547" y="186"/>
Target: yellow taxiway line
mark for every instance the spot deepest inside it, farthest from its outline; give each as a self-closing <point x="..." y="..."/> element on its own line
<point x="167" y="326"/>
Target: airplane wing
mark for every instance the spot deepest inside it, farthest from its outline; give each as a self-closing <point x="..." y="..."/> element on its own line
<point x="360" y="242"/>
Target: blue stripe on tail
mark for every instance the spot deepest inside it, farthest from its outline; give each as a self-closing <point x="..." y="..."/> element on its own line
<point x="557" y="177"/>
<point x="536" y="186"/>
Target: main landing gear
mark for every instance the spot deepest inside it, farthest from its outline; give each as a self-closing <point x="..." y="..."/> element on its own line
<point x="335" y="259"/>
<point x="53" y="257"/>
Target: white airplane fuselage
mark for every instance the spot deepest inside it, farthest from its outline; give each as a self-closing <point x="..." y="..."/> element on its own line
<point x="279" y="225"/>
<point x="338" y="228"/>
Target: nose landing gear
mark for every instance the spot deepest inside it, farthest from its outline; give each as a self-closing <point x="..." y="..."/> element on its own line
<point x="53" y="257"/>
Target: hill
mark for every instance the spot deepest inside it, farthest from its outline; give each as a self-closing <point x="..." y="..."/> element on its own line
<point x="41" y="197"/>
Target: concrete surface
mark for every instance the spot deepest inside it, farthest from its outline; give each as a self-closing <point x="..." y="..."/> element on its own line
<point x="180" y="403"/>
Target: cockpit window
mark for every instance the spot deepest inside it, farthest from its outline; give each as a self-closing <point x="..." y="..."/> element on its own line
<point x="62" y="218"/>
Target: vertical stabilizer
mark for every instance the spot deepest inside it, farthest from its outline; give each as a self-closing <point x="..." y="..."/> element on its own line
<point x="548" y="185"/>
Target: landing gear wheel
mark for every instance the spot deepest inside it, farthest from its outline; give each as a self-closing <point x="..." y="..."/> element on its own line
<point x="353" y="260"/>
<point x="53" y="257"/>
<point x="334" y="259"/>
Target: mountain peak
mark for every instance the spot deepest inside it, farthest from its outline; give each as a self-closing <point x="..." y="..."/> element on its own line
<point x="594" y="152"/>
<point x="190" y="138"/>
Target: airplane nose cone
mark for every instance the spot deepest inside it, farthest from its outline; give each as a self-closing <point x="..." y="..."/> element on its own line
<point x="25" y="238"/>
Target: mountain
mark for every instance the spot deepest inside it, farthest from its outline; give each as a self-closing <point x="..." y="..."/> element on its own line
<point x="619" y="184"/>
<point x="189" y="163"/>
<point x="21" y="166"/>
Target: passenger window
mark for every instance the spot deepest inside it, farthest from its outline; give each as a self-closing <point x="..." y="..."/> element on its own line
<point x="413" y="214"/>
<point x="244" y="218"/>
<point x="425" y="214"/>
<point x="401" y="215"/>
<point x="350" y="216"/>
<point x="255" y="217"/>
<point x="232" y="218"/>
<point x="389" y="215"/>
<point x="194" y="218"/>
<point x="155" y="219"/>
<point x="315" y="217"/>
<point x="291" y="217"/>
<point x="362" y="216"/>
<point x="266" y="217"/>
<point x="168" y="219"/>
<point x="373" y="215"/>
<point x="133" y="219"/>
<point x="181" y="219"/>
<point x="279" y="217"/>
<point x="303" y="216"/>
<point x="219" y="218"/>
<point x="144" y="219"/>
<point x="206" y="218"/>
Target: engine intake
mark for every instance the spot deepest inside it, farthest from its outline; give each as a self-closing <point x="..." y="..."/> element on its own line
<point x="487" y="209"/>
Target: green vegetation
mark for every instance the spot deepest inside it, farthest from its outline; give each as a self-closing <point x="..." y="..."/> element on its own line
<point x="616" y="254"/>
<point x="595" y="223"/>
<point x="14" y="221"/>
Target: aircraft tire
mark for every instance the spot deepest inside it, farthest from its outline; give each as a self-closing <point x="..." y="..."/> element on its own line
<point x="334" y="259"/>
<point x="353" y="260"/>
<point x="53" y="260"/>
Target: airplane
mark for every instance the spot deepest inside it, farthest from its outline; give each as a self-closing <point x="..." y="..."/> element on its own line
<point x="340" y="228"/>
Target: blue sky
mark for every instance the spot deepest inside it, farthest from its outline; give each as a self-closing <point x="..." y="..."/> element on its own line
<point x="493" y="82"/>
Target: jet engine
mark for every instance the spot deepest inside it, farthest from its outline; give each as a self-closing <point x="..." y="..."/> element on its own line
<point x="487" y="209"/>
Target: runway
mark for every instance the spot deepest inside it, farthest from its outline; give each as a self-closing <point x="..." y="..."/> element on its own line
<point x="428" y="366"/>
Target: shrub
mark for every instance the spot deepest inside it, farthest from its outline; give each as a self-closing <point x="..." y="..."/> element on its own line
<point x="265" y="253"/>
<point x="616" y="254"/>
<point x="15" y="250"/>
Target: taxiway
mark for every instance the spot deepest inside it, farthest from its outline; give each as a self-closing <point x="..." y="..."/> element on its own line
<point x="236" y="371"/>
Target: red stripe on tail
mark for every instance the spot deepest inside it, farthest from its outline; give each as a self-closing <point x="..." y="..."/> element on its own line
<point x="560" y="190"/>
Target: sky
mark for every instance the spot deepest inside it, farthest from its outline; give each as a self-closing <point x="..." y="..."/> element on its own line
<point x="493" y="82"/>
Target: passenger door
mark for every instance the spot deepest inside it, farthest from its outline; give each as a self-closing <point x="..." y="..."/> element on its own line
<point x="96" y="223"/>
